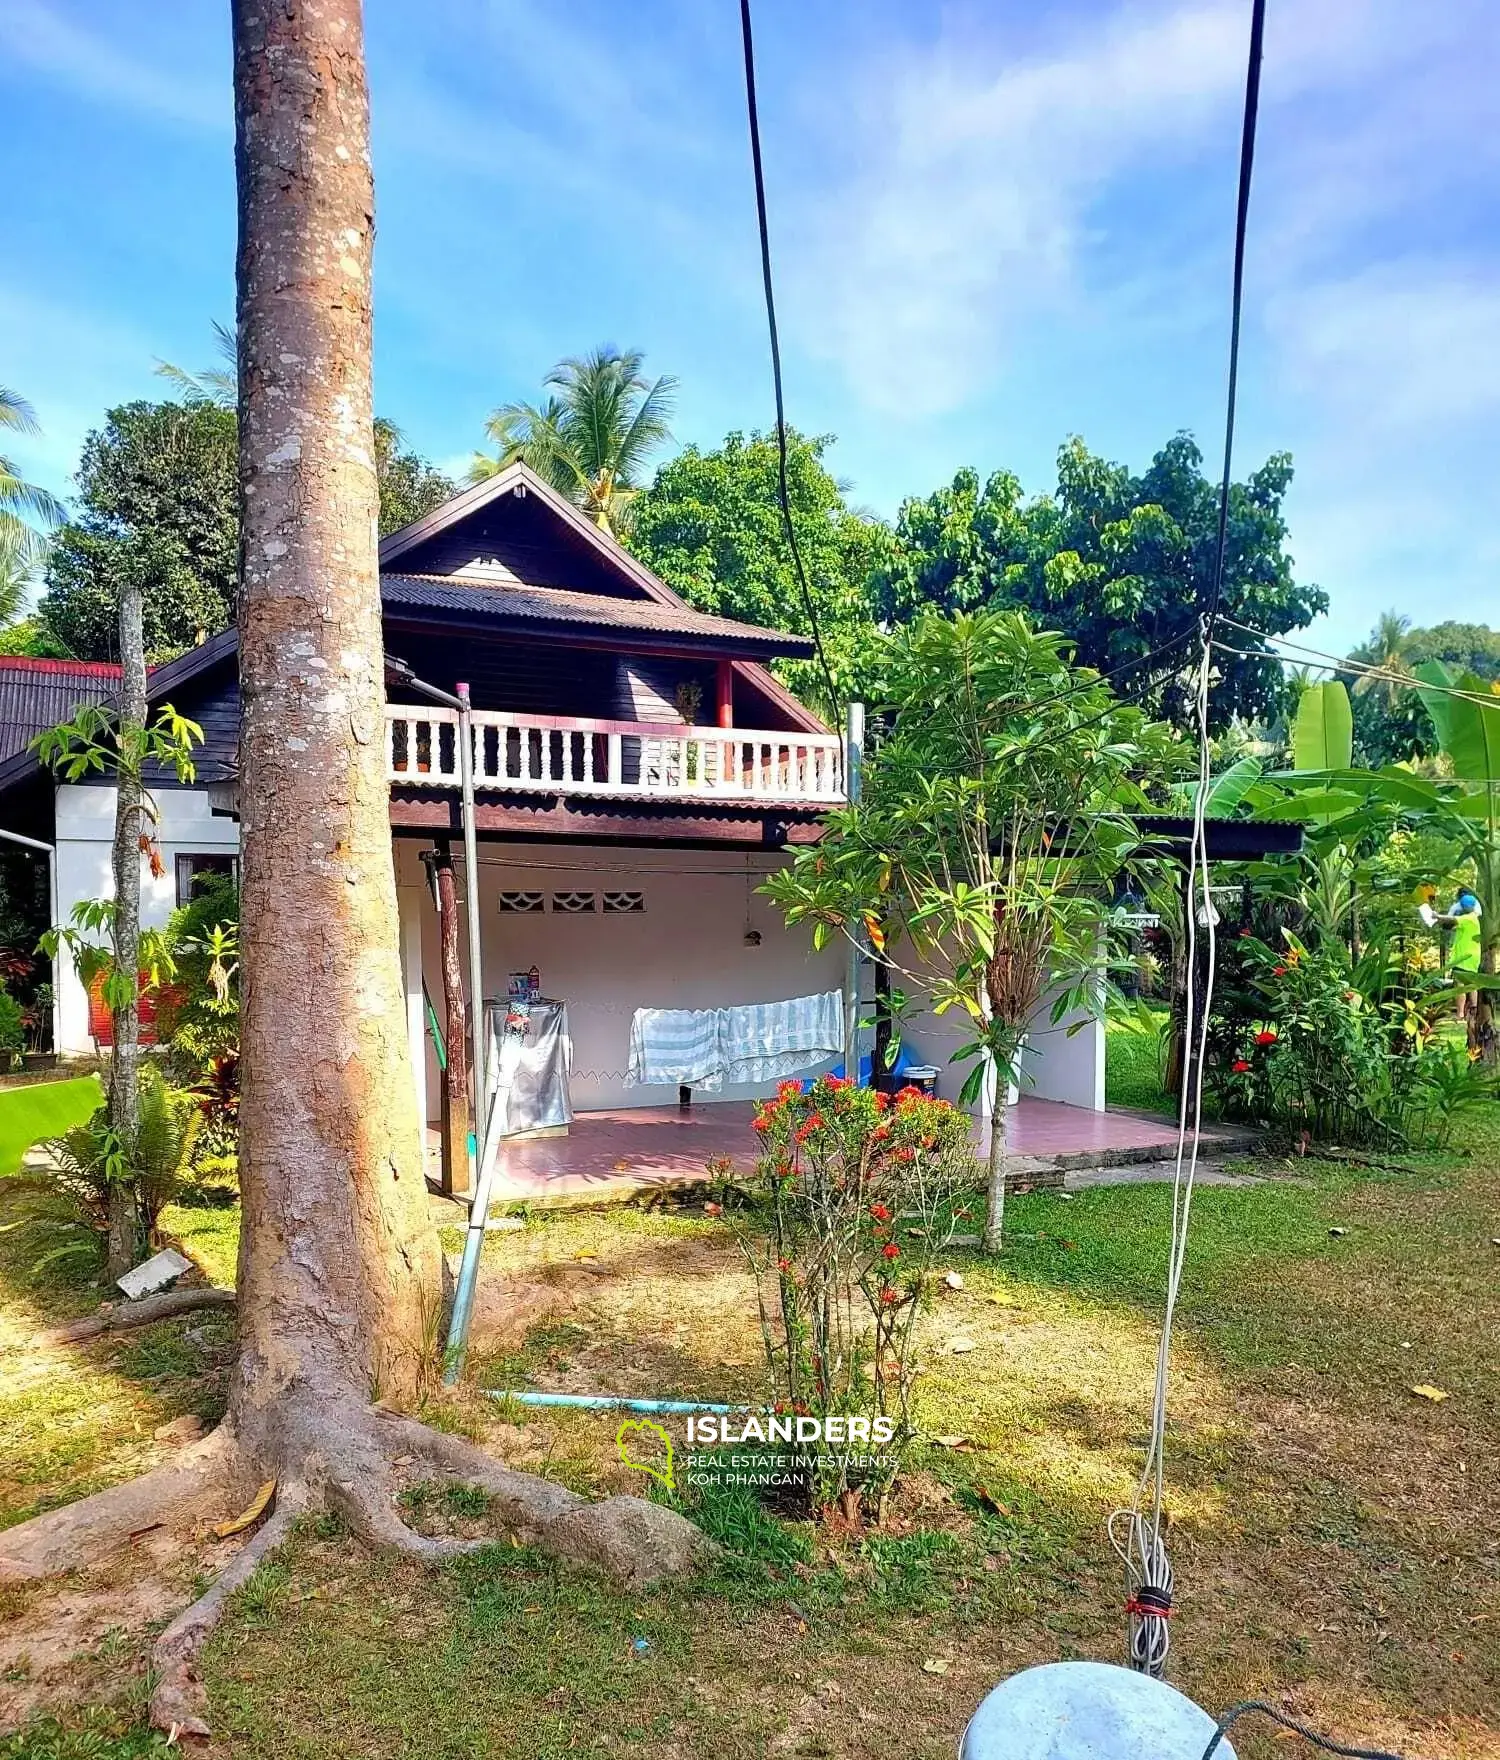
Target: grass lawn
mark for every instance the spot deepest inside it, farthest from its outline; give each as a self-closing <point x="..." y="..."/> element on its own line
<point x="1334" y="1535"/>
<point x="1134" y="1060"/>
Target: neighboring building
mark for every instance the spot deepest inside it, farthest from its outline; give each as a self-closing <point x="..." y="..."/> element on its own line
<point x="639" y="772"/>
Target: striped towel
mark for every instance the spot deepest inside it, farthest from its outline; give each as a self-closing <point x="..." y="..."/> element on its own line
<point x="677" y="1045"/>
<point x="764" y="1041"/>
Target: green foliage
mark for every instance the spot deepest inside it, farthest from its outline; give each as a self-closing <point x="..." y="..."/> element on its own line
<point x="1323" y="733"/>
<point x="409" y="485"/>
<point x="856" y="1196"/>
<point x="1391" y="720"/>
<point x="198" y="1011"/>
<point x="996" y="809"/>
<point x="30" y="637"/>
<point x="157" y="500"/>
<point x="711" y="526"/>
<point x="1119" y="563"/>
<point x="1311" y="1040"/>
<point x="94" y="743"/>
<point x="12" y="1028"/>
<point x="24" y="506"/>
<point x="592" y="439"/>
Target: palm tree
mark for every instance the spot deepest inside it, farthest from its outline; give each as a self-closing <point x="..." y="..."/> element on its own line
<point x="592" y="438"/>
<point x="1386" y="650"/>
<point x="22" y="546"/>
<point x="218" y="385"/>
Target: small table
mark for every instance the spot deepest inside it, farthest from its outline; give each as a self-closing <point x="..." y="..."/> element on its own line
<point x="530" y="1062"/>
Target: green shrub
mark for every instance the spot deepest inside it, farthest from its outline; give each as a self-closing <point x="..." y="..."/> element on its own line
<point x="1309" y="1040"/>
<point x="12" y="1028"/>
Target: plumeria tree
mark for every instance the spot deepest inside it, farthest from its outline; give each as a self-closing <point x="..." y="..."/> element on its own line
<point x="996" y="812"/>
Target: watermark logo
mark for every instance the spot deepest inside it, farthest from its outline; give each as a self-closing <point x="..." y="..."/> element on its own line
<point x="647" y="1448"/>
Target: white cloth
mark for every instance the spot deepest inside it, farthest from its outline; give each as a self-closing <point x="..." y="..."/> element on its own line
<point x="681" y="1046"/>
<point x="764" y="1041"/>
<point x="754" y="1043"/>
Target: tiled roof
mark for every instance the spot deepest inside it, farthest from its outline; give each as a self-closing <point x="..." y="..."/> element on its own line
<point x="37" y="694"/>
<point x="505" y="602"/>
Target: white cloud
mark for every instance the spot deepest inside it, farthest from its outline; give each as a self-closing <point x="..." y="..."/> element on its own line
<point x="36" y="35"/>
<point x="985" y="184"/>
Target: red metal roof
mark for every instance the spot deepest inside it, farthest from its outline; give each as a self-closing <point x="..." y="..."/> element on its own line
<point x="37" y="694"/>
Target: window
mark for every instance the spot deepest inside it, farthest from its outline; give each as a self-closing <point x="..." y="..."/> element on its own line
<point x="194" y="870"/>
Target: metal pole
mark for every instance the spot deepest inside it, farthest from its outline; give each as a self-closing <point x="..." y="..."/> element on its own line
<point x="854" y="757"/>
<point x="481" y="1092"/>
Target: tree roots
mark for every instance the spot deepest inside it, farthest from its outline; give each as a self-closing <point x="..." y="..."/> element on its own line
<point x="349" y="1459"/>
<point x="123" y="1316"/>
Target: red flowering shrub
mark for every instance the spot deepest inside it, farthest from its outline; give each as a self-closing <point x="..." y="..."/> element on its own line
<point x="856" y="1197"/>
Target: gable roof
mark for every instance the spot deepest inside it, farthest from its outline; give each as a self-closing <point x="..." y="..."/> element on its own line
<point x="537" y="608"/>
<point x="518" y="478"/>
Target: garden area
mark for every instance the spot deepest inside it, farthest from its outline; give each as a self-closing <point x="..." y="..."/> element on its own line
<point x="1333" y="1529"/>
<point x="1332" y="1422"/>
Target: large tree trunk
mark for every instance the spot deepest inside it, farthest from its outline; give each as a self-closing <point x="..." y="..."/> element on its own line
<point x="124" y="1097"/>
<point x="339" y="1271"/>
<point x="339" y="1274"/>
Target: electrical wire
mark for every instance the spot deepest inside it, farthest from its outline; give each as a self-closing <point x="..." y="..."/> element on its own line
<point x="1241" y="227"/>
<point x="1359" y="668"/>
<point x="783" y="493"/>
<point x="1260" y="1708"/>
<point x="1142" y="1551"/>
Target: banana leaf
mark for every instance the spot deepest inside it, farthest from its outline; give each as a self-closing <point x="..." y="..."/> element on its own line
<point x="1323" y="734"/>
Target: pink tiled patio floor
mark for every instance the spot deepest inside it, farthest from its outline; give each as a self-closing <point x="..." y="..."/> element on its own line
<point x="610" y="1153"/>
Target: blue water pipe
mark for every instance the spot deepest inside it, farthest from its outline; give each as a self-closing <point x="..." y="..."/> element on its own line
<point x="594" y="1402"/>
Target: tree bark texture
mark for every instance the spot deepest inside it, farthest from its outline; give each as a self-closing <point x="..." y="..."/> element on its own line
<point x="124" y="1242"/>
<point x="339" y="1269"/>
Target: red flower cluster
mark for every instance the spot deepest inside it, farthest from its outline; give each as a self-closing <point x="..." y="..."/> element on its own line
<point x="890" y="1251"/>
<point x="813" y="1122"/>
<point x="881" y="1212"/>
<point x="1239" y="1066"/>
<point x="1265" y="1038"/>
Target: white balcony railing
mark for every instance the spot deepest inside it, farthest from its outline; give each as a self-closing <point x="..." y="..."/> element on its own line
<point x="552" y="754"/>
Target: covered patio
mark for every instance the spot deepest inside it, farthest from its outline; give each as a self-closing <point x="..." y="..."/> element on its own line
<point x="613" y="1154"/>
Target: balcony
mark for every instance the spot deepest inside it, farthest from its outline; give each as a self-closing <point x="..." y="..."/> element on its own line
<point x="617" y="760"/>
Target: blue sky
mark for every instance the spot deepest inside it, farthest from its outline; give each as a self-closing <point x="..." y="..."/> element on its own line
<point x="995" y="225"/>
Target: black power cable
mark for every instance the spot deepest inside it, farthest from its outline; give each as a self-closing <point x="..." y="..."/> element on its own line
<point x="1261" y="1709"/>
<point x="1242" y="216"/>
<point x="765" y="269"/>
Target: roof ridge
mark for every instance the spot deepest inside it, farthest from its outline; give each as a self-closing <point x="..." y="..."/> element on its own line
<point x="35" y="663"/>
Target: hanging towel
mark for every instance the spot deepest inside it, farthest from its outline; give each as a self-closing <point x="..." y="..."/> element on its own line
<point x="764" y="1041"/>
<point x="681" y="1046"/>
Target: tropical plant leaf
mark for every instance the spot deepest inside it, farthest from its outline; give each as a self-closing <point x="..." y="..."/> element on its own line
<point x="1323" y="734"/>
<point x="1468" y="731"/>
<point x="1226" y="791"/>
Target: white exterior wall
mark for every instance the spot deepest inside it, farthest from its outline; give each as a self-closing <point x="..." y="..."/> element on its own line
<point x="85" y="834"/>
<point x="1054" y="1066"/>
<point x="686" y="950"/>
